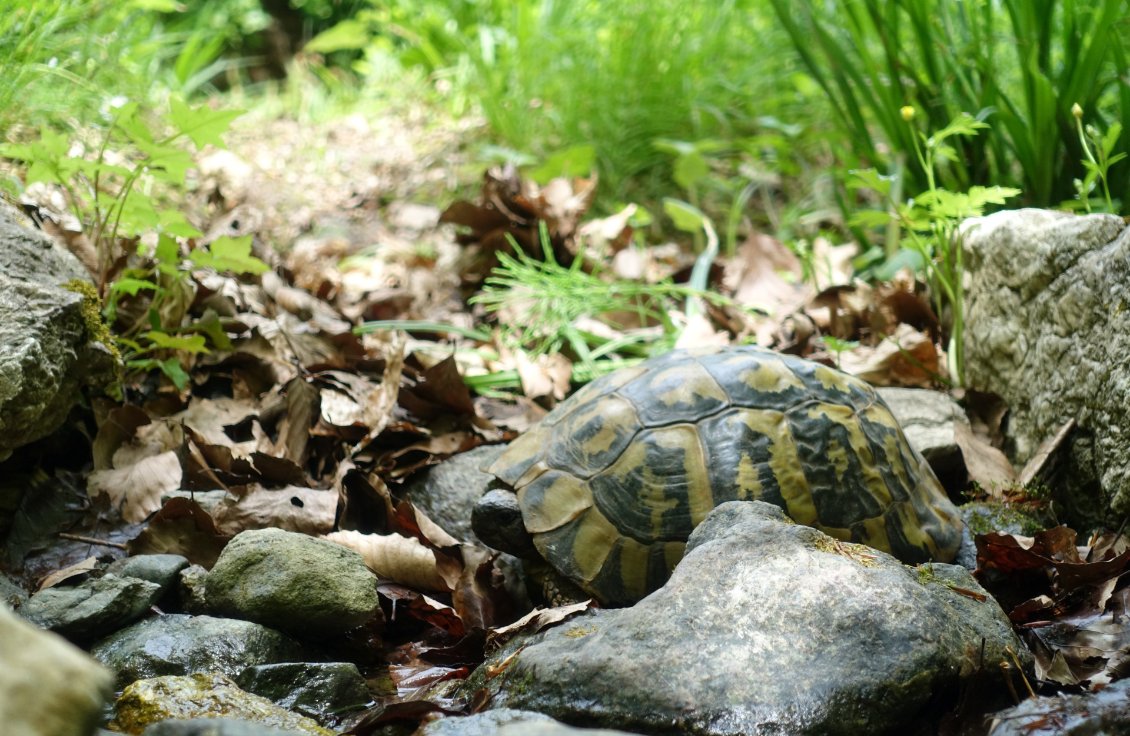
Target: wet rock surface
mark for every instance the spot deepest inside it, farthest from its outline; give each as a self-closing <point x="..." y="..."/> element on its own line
<point x="1104" y="712"/>
<point x="292" y="582"/>
<point x="11" y="594"/>
<point x="508" y="722"/>
<point x="159" y="569"/>
<point x="766" y="627"/>
<point x="1044" y="313"/>
<point x="214" y="727"/>
<point x="177" y="644"/>
<point x="151" y="701"/>
<point x="93" y="608"/>
<point x="324" y="691"/>
<point x="47" y="686"/>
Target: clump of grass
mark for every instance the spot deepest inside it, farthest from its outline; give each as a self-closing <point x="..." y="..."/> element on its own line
<point x="549" y="76"/>
<point x="62" y="60"/>
<point x="1020" y="62"/>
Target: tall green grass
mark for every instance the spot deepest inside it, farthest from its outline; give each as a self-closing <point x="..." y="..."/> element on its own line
<point x="549" y="75"/>
<point x="1019" y="65"/>
<point x="60" y="60"/>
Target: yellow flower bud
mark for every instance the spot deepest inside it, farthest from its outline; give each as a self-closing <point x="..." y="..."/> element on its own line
<point x="1077" y="111"/>
<point x="907" y="113"/>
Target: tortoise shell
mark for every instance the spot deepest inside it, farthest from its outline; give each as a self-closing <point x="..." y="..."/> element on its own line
<point x="612" y="481"/>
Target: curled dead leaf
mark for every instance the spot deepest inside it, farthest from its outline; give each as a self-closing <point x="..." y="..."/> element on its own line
<point x="535" y="621"/>
<point x="395" y="557"/>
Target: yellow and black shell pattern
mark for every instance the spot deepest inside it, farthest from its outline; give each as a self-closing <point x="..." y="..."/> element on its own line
<point x="613" y="480"/>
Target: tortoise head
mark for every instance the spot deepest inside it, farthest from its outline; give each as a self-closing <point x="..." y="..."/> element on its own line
<point x="496" y="520"/>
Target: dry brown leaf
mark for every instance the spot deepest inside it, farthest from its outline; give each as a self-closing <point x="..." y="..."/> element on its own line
<point x="906" y="358"/>
<point x="137" y="488"/>
<point x="831" y="264"/>
<point x="699" y="332"/>
<point x="118" y="427"/>
<point x="90" y="564"/>
<point x="986" y="465"/>
<point x="211" y="418"/>
<point x="1047" y="454"/>
<point x="302" y="407"/>
<point x="181" y="527"/>
<point x="544" y="375"/>
<point x="149" y="440"/>
<point x="295" y="509"/>
<point x="395" y="557"/>
<point x="535" y="621"/>
<point x="599" y="238"/>
<point x="766" y="275"/>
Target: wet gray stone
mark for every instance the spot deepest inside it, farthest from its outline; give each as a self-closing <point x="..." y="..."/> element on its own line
<point x="292" y="582"/>
<point x="507" y="722"/>
<point x="324" y="691"/>
<point x="447" y="492"/>
<point x="160" y="569"/>
<point x="48" y="687"/>
<point x="93" y="608"/>
<point x="177" y="644"/>
<point x="214" y="727"/>
<point x="1045" y="326"/>
<point x="1090" y="714"/>
<point x="766" y="627"/>
<point x="192" y="591"/>
<point x="11" y="594"/>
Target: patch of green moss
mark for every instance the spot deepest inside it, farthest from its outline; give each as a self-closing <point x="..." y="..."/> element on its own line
<point x="96" y="328"/>
<point x="105" y="359"/>
<point x="983" y="517"/>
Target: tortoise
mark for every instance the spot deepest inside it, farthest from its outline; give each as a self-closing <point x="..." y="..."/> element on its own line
<point x="610" y="484"/>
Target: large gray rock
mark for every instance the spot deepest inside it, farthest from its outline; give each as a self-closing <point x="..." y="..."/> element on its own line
<point x="45" y="351"/>
<point x="292" y="582"/>
<point x="47" y="686"/>
<point x="93" y="608"/>
<point x="1045" y="328"/>
<point x="176" y="644"/>
<point x="766" y="627"/>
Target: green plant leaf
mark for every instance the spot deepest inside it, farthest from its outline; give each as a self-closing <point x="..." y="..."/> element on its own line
<point x="203" y="125"/>
<point x="229" y="254"/>
<point x="905" y="258"/>
<point x="183" y="343"/>
<point x="132" y="286"/>
<point x="686" y="217"/>
<point x="573" y="161"/>
<point x="210" y="325"/>
<point x="869" y="219"/>
<point x="1110" y="138"/>
<point x="690" y="169"/>
<point x="870" y="179"/>
<point x="172" y="368"/>
<point x="175" y="223"/>
<point x="348" y="35"/>
<point x="157" y="6"/>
